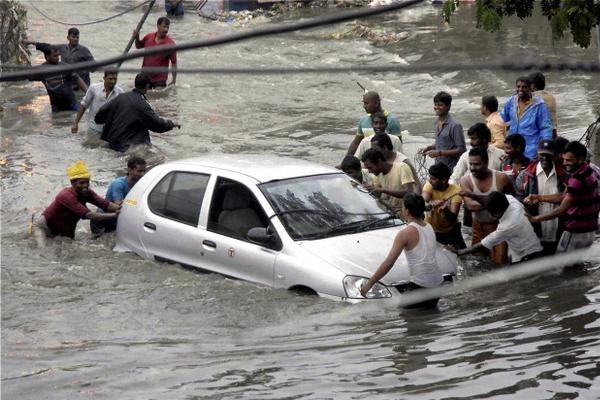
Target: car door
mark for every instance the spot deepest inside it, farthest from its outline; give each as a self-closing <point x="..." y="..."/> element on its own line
<point x="234" y="209"/>
<point x="169" y="221"/>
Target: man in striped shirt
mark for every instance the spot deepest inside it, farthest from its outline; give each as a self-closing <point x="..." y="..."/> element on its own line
<point x="581" y="204"/>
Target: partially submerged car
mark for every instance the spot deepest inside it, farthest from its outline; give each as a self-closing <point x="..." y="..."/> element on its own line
<point x="276" y="221"/>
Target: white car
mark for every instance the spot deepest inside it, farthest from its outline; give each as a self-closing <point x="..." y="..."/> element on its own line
<point x="280" y="222"/>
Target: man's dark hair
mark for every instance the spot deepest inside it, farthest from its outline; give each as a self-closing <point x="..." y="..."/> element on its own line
<point x="497" y="203"/>
<point x="111" y="71"/>
<point x="414" y="204"/>
<point x="559" y="144"/>
<point x="73" y="31"/>
<point x="516" y="140"/>
<point x="162" y="20"/>
<point x="490" y="102"/>
<point x="539" y="80"/>
<point x="577" y="149"/>
<point x="383" y="140"/>
<point x="142" y="81"/>
<point x="351" y="162"/>
<point x="379" y="114"/>
<point x="443" y="97"/>
<point x="481" y="131"/>
<point x="134" y="161"/>
<point x="46" y="48"/>
<point x="525" y="79"/>
<point x="372" y="155"/>
<point x="481" y="152"/>
<point x="440" y="171"/>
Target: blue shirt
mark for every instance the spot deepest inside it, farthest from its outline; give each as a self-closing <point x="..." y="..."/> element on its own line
<point x="534" y="125"/>
<point x="118" y="189"/>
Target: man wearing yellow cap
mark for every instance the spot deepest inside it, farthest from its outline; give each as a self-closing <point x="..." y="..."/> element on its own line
<point x="69" y="206"/>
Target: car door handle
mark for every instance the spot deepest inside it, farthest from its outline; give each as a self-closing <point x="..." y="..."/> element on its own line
<point x="150" y="225"/>
<point x="209" y="243"/>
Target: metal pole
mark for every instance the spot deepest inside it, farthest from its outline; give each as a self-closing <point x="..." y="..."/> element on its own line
<point x="138" y="28"/>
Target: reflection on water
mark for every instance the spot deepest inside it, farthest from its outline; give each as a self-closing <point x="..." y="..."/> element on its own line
<point x="81" y="321"/>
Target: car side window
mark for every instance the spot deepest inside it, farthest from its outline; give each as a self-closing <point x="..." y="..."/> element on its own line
<point x="178" y="196"/>
<point x="234" y="210"/>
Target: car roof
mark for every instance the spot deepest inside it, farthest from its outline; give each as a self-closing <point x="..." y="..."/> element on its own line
<point x="261" y="167"/>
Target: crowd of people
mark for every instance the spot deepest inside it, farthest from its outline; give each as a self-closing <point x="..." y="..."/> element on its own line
<point x="523" y="190"/>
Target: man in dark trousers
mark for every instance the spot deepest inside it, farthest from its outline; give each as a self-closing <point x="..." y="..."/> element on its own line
<point x="128" y="118"/>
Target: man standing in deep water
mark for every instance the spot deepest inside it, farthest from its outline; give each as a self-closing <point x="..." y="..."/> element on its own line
<point x="129" y="116"/>
<point x="158" y="38"/>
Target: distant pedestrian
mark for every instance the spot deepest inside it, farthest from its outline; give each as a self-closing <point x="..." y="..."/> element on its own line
<point x="527" y="115"/>
<point x="449" y="136"/>
<point x="174" y="8"/>
<point x="128" y="118"/>
<point x="158" y="38"/>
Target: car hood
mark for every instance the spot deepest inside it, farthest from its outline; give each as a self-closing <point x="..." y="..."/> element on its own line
<point x="360" y="253"/>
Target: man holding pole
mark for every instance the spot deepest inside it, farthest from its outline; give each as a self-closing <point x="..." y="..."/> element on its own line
<point x="158" y="38"/>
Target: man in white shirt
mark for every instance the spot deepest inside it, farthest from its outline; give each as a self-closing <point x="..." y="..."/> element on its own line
<point x="96" y="96"/>
<point x="541" y="187"/>
<point x="479" y="136"/>
<point x="513" y="228"/>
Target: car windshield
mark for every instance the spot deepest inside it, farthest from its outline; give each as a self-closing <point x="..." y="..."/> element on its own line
<point x="314" y="207"/>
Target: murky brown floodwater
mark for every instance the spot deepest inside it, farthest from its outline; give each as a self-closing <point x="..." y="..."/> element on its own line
<point x="79" y="321"/>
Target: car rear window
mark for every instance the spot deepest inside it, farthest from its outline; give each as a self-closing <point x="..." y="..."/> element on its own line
<point x="179" y="196"/>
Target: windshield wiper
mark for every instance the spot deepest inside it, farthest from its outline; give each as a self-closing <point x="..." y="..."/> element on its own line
<point x="353" y="227"/>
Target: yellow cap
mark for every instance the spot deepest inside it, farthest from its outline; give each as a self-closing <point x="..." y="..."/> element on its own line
<point x="78" y="171"/>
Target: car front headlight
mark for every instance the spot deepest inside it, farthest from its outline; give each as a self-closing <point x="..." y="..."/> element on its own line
<point x="352" y="285"/>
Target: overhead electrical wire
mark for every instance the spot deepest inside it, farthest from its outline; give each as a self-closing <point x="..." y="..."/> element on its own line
<point x="86" y="23"/>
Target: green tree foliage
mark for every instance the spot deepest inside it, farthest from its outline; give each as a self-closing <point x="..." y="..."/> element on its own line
<point x="577" y="16"/>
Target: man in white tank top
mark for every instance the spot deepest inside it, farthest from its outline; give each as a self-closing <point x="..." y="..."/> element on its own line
<point x="482" y="181"/>
<point x="418" y="242"/>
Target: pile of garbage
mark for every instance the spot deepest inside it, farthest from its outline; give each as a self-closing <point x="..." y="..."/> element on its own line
<point x="378" y="37"/>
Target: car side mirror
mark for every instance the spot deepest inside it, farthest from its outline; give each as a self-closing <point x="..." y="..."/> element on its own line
<point x="260" y="235"/>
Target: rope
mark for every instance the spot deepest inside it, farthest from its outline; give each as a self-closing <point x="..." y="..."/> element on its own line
<point x="421" y="166"/>
<point x="86" y="23"/>
<point x="594" y="127"/>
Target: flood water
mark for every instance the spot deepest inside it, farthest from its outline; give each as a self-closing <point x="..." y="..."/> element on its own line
<point x="79" y="321"/>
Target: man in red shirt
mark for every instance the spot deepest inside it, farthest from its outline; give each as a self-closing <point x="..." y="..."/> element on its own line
<point x="62" y="215"/>
<point x="158" y="38"/>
